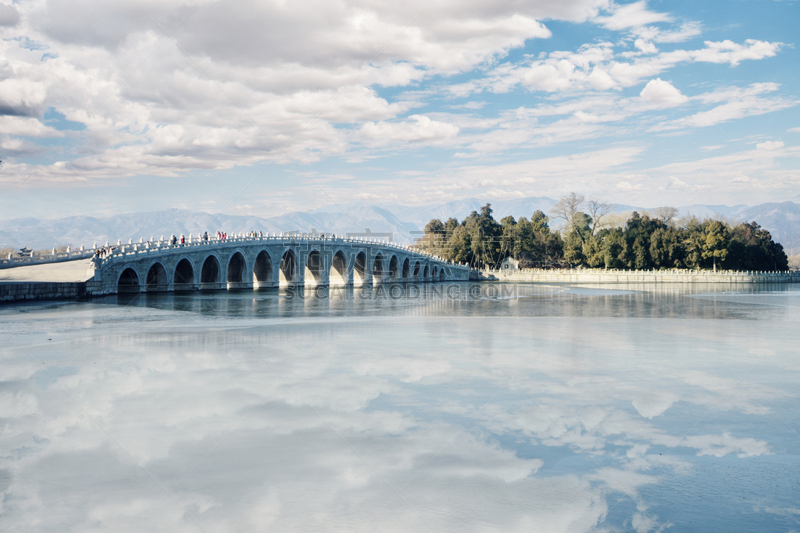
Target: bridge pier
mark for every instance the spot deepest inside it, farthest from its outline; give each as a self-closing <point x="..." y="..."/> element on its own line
<point x="239" y="285"/>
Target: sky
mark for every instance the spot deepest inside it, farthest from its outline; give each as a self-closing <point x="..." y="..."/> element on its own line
<point x="263" y="108"/>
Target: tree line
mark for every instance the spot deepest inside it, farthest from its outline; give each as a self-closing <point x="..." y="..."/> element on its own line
<point x="594" y="237"/>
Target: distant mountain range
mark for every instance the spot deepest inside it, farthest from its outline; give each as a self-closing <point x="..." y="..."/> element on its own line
<point x="403" y="222"/>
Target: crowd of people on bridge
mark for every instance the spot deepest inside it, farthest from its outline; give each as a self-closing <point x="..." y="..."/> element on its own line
<point x="104" y="251"/>
<point x="221" y="236"/>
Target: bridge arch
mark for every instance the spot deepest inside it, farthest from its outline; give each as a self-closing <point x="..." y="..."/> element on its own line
<point x="157" y="280"/>
<point x="434" y="272"/>
<point x="360" y="268"/>
<point x="377" y="268"/>
<point x="183" y="276"/>
<point x="338" y="273"/>
<point x="426" y="272"/>
<point x="314" y="267"/>
<point x="128" y="281"/>
<point x="442" y="275"/>
<point x="406" y="269"/>
<point x="288" y="268"/>
<point x="210" y="271"/>
<point x="417" y="269"/>
<point x="237" y="266"/>
<point x="262" y="269"/>
<point x="394" y="268"/>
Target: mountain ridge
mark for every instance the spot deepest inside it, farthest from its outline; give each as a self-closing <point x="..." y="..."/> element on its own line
<point x="782" y="219"/>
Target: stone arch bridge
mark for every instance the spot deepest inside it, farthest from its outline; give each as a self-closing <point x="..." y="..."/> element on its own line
<point x="247" y="262"/>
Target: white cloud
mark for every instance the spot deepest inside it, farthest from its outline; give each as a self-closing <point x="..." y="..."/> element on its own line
<point x="686" y="31"/>
<point x="26" y="127"/>
<point x="9" y="16"/>
<point x="418" y="128"/>
<point x="597" y="66"/>
<point x="631" y="15"/>
<point x="646" y="47"/>
<point x="733" y="53"/>
<point x="734" y="103"/>
<point x="662" y="94"/>
<point x="654" y="403"/>
<point x="251" y="83"/>
<point x="770" y="145"/>
<point x="628" y="186"/>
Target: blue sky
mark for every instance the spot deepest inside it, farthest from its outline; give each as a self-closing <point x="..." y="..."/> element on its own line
<point x="272" y="107"/>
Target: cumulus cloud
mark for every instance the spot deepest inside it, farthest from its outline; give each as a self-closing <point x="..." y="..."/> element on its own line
<point x="662" y="94"/>
<point x="238" y="84"/>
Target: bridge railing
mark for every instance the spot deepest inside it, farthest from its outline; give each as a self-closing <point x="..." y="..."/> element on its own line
<point x="110" y="253"/>
<point x="650" y="272"/>
<point x="53" y="257"/>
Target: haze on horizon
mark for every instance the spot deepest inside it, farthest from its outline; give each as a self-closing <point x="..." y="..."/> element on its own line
<point x="267" y="108"/>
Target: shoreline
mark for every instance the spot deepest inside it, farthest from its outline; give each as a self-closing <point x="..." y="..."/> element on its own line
<point x="635" y="276"/>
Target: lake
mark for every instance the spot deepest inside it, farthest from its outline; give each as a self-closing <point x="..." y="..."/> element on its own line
<point x="450" y="407"/>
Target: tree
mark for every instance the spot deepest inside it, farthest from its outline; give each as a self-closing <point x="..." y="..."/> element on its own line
<point x="613" y="247"/>
<point x="582" y="225"/>
<point x="715" y="241"/>
<point x="593" y="251"/>
<point x="434" y="238"/>
<point x="539" y="222"/>
<point x="484" y="233"/>
<point x="508" y="237"/>
<point x="666" y="249"/>
<point x="751" y="248"/>
<point x="654" y="240"/>
<point x="597" y="212"/>
<point x="566" y="208"/>
<point x="573" y="249"/>
<point x="460" y="246"/>
<point x="665" y="214"/>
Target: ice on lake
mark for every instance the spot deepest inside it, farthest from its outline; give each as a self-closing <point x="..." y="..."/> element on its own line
<point x="521" y="408"/>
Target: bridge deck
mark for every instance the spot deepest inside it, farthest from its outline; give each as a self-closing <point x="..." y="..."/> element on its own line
<point x="78" y="270"/>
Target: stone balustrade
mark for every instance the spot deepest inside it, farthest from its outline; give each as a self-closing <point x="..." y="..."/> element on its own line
<point x="641" y="276"/>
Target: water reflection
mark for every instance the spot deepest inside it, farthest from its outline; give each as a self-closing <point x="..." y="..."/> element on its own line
<point x="465" y="299"/>
<point x="561" y="409"/>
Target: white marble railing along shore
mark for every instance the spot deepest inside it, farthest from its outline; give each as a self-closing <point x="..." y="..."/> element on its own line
<point x="580" y="275"/>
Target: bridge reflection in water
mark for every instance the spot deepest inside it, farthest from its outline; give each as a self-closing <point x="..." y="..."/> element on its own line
<point x="265" y="261"/>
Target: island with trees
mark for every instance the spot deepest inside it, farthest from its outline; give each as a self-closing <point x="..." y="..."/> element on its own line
<point x="593" y="236"/>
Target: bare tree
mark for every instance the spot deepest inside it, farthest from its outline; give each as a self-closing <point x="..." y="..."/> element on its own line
<point x="566" y="208"/>
<point x="665" y="214"/>
<point x="598" y="211"/>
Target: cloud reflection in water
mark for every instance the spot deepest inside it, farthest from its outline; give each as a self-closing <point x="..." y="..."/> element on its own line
<point x="178" y="420"/>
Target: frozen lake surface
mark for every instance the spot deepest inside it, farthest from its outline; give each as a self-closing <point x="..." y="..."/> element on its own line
<point x="502" y="408"/>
